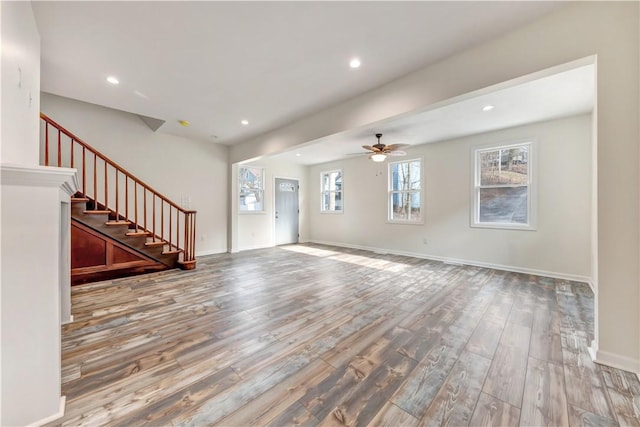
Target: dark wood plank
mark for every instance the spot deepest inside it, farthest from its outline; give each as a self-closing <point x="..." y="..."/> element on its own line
<point x="580" y="417"/>
<point x="455" y="402"/>
<point x="392" y="416"/>
<point x="624" y="390"/>
<point x="546" y="343"/>
<point x="279" y="405"/>
<point x="312" y="334"/>
<point x="485" y="338"/>
<point x="367" y="381"/>
<point x="491" y="411"/>
<point x="583" y="382"/>
<point x="509" y="366"/>
<point x="294" y="415"/>
<point x="545" y="401"/>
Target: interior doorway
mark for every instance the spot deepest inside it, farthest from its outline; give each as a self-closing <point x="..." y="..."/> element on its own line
<point x="286" y="211"/>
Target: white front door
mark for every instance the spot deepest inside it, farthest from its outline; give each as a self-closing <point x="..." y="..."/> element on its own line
<point x="286" y="213"/>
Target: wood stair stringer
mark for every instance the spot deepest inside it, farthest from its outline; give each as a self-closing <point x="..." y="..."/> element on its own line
<point x="125" y="233"/>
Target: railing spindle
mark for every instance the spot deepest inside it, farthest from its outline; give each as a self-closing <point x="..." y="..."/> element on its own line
<point x="154" y="217"/>
<point x="84" y="172"/>
<point x="46" y="144"/>
<point x="106" y="186"/>
<point x="117" y="211"/>
<point x="145" y="208"/>
<point x="135" y="200"/>
<point x="186" y="231"/>
<point x="59" y="149"/>
<point x="187" y="246"/>
<point x="126" y="197"/>
<point x="95" y="182"/>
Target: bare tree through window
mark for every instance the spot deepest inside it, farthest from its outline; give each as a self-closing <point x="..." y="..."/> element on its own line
<point x="251" y="185"/>
<point x="331" y="191"/>
<point x="405" y="191"/>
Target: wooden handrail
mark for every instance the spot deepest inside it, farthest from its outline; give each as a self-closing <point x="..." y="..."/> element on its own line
<point x="186" y="246"/>
<point x="109" y="161"/>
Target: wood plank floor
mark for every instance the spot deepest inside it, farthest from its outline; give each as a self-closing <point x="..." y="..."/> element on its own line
<point x="317" y="335"/>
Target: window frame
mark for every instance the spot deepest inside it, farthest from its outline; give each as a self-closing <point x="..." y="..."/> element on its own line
<point x="390" y="193"/>
<point x="323" y="191"/>
<point x="531" y="224"/>
<point x="262" y="190"/>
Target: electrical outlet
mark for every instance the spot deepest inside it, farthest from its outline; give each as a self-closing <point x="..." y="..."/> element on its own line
<point x="425" y="241"/>
<point x="203" y="237"/>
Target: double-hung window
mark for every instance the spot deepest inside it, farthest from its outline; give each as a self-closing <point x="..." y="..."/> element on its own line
<point x="251" y="186"/>
<point x="405" y="192"/>
<point x="503" y="187"/>
<point x="331" y="191"/>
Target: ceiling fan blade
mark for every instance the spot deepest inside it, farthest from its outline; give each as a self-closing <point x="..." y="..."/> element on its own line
<point x="397" y="153"/>
<point x="374" y="149"/>
<point x="394" y="147"/>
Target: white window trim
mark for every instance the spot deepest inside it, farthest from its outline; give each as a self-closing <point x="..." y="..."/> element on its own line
<point x="532" y="194"/>
<point x="322" y="191"/>
<point x="389" y="191"/>
<point x="264" y="191"/>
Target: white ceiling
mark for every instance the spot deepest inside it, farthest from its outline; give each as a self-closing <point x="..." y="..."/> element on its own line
<point x="216" y="63"/>
<point x="553" y="95"/>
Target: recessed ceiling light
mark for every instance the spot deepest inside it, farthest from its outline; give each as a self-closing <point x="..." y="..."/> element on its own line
<point x="245" y="122"/>
<point x="354" y="63"/>
<point x="488" y="108"/>
<point x="113" y="80"/>
<point x="298" y="154"/>
<point x="184" y="123"/>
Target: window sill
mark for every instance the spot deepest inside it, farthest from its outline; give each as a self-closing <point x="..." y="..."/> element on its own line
<point x="390" y="221"/>
<point x="251" y="212"/>
<point x="332" y="212"/>
<point x="499" y="226"/>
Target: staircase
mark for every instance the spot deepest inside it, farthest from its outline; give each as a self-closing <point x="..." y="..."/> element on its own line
<point x="120" y="225"/>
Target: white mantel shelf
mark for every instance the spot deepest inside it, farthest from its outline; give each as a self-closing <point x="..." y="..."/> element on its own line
<point x="40" y="176"/>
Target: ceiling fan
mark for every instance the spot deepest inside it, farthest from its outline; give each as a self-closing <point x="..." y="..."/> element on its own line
<point x="381" y="151"/>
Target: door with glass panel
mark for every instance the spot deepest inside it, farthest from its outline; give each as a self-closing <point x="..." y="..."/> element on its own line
<point x="286" y="211"/>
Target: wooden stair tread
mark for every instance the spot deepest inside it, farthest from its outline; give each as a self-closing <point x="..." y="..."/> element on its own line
<point x="172" y="252"/>
<point x="79" y="200"/>
<point x="119" y="222"/>
<point x="156" y="243"/>
<point x="138" y="233"/>
<point x="97" y="212"/>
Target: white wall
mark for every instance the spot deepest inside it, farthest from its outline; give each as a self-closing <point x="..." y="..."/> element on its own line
<point x="177" y="167"/>
<point x="31" y="299"/>
<point x="609" y="30"/>
<point x="560" y="245"/>
<point x="256" y="230"/>
<point x="20" y="84"/>
<point x="30" y="377"/>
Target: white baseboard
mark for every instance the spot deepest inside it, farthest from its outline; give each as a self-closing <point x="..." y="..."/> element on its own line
<point x="210" y="252"/>
<point x="69" y="320"/>
<point x="50" y="418"/>
<point x="555" y="275"/>
<point x="614" y="360"/>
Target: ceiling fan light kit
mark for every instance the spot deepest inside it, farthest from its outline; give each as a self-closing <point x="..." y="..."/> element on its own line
<point x="381" y="151"/>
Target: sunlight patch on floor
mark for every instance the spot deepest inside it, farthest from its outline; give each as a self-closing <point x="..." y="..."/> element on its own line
<point x="364" y="261"/>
